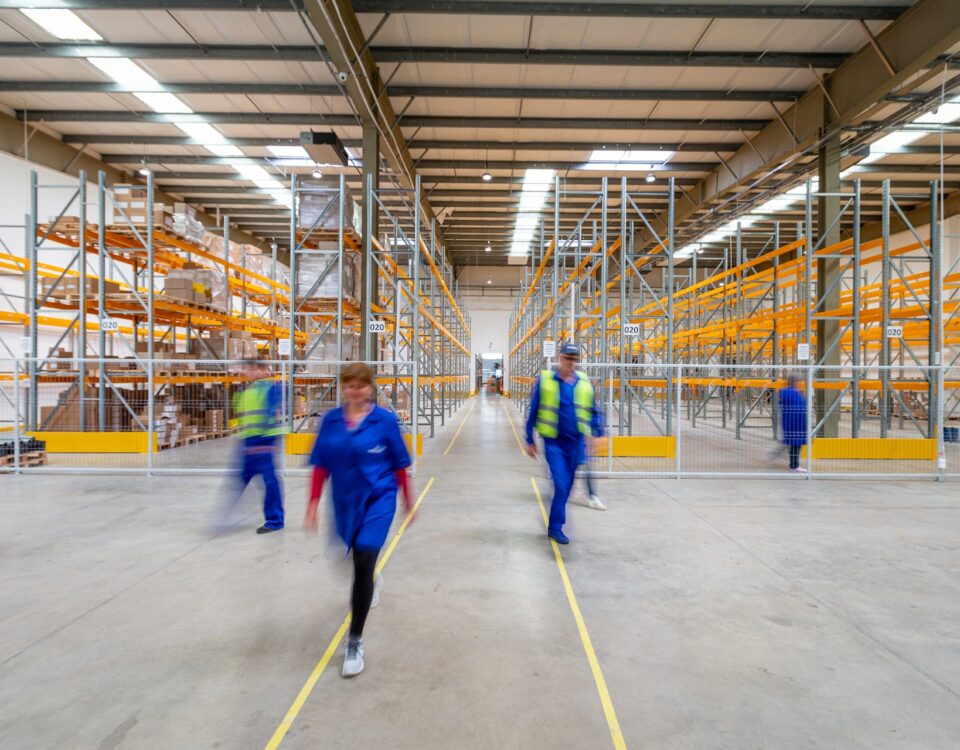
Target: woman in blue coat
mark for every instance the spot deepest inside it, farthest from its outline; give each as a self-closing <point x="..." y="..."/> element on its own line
<point x="360" y="448"/>
<point x="793" y="421"/>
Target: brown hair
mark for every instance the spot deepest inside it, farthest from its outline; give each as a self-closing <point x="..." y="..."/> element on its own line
<point x="356" y="371"/>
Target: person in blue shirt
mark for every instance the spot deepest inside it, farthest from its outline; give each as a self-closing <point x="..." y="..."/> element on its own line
<point x="793" y="421"/>
<point x="256" y="415"/>
<point x="563" y="411"/>
<point x="360" y="448"/>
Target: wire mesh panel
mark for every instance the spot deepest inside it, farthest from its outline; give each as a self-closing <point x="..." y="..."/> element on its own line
<point x="319" y="386"/>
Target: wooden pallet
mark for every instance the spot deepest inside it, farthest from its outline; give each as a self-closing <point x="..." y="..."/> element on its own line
<point x="33" y="458"/>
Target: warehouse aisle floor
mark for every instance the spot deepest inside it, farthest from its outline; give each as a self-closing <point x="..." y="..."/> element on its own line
<point x="722" y="613"/>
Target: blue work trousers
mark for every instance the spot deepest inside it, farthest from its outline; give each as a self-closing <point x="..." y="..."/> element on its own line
<point x="260" y="462"/>
<point x="562" y="459"/>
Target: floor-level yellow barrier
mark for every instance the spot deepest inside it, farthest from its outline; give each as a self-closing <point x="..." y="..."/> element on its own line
<point x="301" y="443"/>
<point x="640" y="446"/>
<point x="874" y="449"/>
<point x="95" y="442"/>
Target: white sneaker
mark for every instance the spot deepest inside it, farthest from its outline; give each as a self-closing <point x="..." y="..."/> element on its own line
<point x="595" y="503"/>
<point x="799" y="470"/>
<point x="376" y="591"/>
<point x="352" y="659"/>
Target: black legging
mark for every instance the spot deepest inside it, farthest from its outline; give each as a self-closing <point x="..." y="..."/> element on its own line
<point x="364" y="565"/>
<point x="794" y="456"/>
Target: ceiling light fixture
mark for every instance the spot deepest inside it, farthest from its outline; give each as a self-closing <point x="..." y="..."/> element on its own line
<point x="317" y="174"/>
<point x="144" y="171"/>
<point x="487" y="249"/>
<point x="651" y="177"/>
<point x="63" y="24"/>
<point x="489" y="278"/>
<point x="487" y="177"/>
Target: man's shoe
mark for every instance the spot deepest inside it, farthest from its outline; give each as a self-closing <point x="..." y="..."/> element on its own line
<point x="352" y="659"/>
<point x="266" y="529"/>
<point x="559" y="537"/>
<point x="595" y="503"/>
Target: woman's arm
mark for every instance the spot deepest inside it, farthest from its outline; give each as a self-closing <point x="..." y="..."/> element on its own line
<point x="316" y="490"/>
<point x="406" y="487"/>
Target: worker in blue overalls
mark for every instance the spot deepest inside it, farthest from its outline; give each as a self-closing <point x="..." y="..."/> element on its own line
<point x="360" y="448"/>
<point x="256" y="414"/>
<point x="563" y="411"/>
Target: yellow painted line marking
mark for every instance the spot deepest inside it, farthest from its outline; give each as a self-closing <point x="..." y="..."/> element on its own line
<point x="308" y="686"/>
<point x="515" y="434"/>
<point x="460" y="428"/>
<point x="608" y="710"/>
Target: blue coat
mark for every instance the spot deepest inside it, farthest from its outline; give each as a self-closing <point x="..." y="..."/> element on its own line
<point x="793" y="417"/>
<point x="361" y="464"/>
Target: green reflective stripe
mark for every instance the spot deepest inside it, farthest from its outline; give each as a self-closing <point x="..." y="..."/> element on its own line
<point x="252" y="413"/>
<point x="548" y="415"/>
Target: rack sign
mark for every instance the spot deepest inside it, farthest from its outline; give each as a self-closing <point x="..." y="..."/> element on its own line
<point x="894" y="332"/>
<point x="549" y="349"/>
<point x="631" y="329"/>
<point x="803" y="352"/>
<point x="109" y="324"/>
<point x="283" y="347"/>
<point x="376" y="326"/>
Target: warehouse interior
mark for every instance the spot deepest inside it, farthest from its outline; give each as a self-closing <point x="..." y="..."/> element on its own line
<point x="714" y="201"/>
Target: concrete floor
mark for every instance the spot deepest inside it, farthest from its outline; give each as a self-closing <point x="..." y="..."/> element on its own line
<point x="724" y="614"/>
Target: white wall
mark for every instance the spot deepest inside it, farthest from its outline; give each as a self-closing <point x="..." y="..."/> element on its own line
<point x="52" y="198"/>
<point x="490" y="329"/>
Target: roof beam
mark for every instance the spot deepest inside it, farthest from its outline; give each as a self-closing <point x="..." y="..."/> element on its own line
<point x="915" y="40"/>
<point x="837" y="12"/>
<point x="445" y="92"/>
<point x="304" y="119"/>
<point x="476" y="55"/>
<point x="591" y="145"/>
<point x="480" y="164"/>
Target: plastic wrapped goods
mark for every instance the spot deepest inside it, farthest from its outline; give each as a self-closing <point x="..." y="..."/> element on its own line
<point x="311" y="267"/>
<point x="313" y="205"/>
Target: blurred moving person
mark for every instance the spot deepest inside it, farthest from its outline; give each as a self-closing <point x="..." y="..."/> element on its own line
<point x="360" y="448"/>
<point x="563" y="411"/>
<point x="588" y="448"/>
<point x="256" y="414"/>
<point x="793" y="421"/>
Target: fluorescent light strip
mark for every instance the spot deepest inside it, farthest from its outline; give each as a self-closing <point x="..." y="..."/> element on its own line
<point x="536" y="187"/>
<point x="63" y="24"/>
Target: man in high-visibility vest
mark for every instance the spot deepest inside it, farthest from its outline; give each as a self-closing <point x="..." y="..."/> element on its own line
<point x="256" y="415"/>
<point x="563" y="411"/>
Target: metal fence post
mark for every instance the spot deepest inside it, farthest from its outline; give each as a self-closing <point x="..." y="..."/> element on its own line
<point x="678" y="429"/>
<point x="151" y="422"/>
<point x="16" y="419"/>
<point x="809" y="409"/>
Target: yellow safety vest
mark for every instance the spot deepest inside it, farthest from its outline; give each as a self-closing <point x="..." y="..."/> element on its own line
<point x="548" y="415"/>
<point x="252" y="413"/>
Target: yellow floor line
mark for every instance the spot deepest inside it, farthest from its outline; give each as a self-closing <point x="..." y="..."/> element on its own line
<point x="461" y="428"/>
<point x="605" y="701"/>
<point x="608" y="711"/>
<point x="308" y="686"/>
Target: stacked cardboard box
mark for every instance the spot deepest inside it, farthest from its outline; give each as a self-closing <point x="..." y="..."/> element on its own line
<point x="65" y="415"/>
<point x="69" y="286"/>
<point x="239" y="346"/>
<point x="213" y="420"/>
<point x="130" y="205"/>
<point x="62" y="360"/>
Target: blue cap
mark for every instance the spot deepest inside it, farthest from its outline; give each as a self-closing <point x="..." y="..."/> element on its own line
<point x="570" y="350"/>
